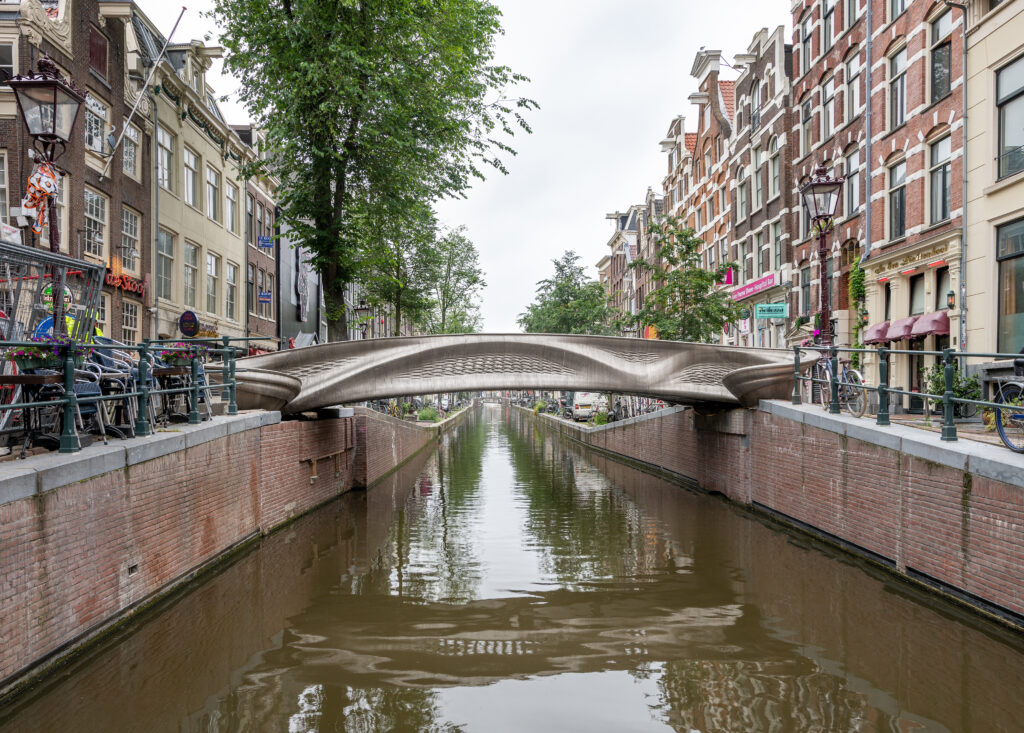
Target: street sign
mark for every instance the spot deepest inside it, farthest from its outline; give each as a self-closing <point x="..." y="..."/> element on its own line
<point x="264" y="242"/>
<point x="266" y="296"/>
<point x="771" y="310"/>
<point x="188" y="324"/>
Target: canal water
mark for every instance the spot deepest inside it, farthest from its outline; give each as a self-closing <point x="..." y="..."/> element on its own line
<point x="512" y="582"/>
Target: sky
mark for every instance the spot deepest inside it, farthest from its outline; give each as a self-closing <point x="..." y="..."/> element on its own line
<point x="609" y="76"/>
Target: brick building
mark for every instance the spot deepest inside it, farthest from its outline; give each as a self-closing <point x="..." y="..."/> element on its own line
<point x="618" y="280"/>
<point x="104" y="205"/>
<point x="764" y="199"/>
<point x="647" y="247"/>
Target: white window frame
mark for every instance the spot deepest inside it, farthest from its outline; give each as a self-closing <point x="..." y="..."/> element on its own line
<point x="212" y="282"/>
<point x="165" y="158"/>
<point x="935" y="43"/>
<point x="190" y="274"/>
<point x="190" y="176"/>
<point x="897" y="83"/>
<point x="130" y="147"/>
<point x="852" y="186"/>
<point x="95" y="126"/>
<point x="854" y="78"/>
<point x="231" y="208"/>
<point x="828" y="108"/>
<point x="231" y="271"/>
<point x="129" y="322"/>
<point x="130" y="227"/>
<point x="164" y="265"/>
<point x="103" y="313"/>
<point x="95" y="224"/>
<point x="213" y="188"/>
<point x="942" y="169"/>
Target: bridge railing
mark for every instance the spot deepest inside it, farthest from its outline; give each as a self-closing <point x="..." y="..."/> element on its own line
<point x="950" y="359"/>
<point x="70" y="365"/>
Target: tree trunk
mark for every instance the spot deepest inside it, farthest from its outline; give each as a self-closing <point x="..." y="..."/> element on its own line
<point x="334" y="300"/>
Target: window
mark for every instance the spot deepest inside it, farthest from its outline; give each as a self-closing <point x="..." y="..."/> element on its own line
<point x="755" y="106"/>
<point x="191" y="273"/>
<point x="262" y="283"/>
<point x="805" y="290"/>
<point x="1010" y="102"/>
<point x="191" y="178"/>
<point x="269" y="305"/>
<point x="761" y="254"/>
<point x="942" y="287"/>
<point x="938" y="179"/>
<point x="707" y="162"/>
<point x="700" y="223"/>
<point x="852" y="182"/>
<point x="130" y="322"/>
<point x="250" y="205"/>
<point x="130" y="151"/>
<point x="231" y="193"/>
<point x="164" y="158"/>
<point x="828" y="33"/>
<point x="4" y="215"/>
<point x="6" y="60"/>
<point x="805" y="126"/>
<point x="95" y="223"/>
<point x="896" y="8"/>
<point x="777" y="243"/>
<point x="97" y="52"/>
<point x="828" y="102"/>
<point x="898" y="89"/>
<point x="130" y="239"/>
<point x="1010" y="254"/>
<point x="805" y="45"/>
<point x="942" y="53"/>
<point x="773" y="164"/>
<point x="758" y="186"/>
<point x="250" y="272"/>
<point x="852" y="11"/>
<point x="102" y="309"/>
<point x="95" y="124"/>
<point x="212" y="277"/>
<point x="230" y="291"/>
<point x="853" y="82"/>
<point x="888" y="301"/>
<point x="742" y="208"/>
<point x="212" y="194"/>
<point x="917" y="294"/>
<point x="898" y="201"/>
<point x="164" y="263"/>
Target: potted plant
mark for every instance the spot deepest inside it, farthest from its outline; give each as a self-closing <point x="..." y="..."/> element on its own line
<point x="46" y="353"/>
<point x="180" y="353"/>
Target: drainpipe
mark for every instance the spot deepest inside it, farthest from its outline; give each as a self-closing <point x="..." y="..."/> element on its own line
<point x="868" y="163"/>
<point x="154" y="159"/>
<point x="963" y="165"/>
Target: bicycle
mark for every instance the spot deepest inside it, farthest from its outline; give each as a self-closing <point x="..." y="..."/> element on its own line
<point x="852" y="394"/>
<point x="1010" y="419"/>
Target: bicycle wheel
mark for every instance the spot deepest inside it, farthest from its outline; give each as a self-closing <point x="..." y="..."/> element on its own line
<point x="853" y="396"/>
<point x="807" y="388"/>
<point x="825" y="388"/>
<point x="1010" y="419"/>
<point x="967" y="410"/>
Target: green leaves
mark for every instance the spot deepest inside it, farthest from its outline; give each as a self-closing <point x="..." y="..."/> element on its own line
<point x="569" y="302"/>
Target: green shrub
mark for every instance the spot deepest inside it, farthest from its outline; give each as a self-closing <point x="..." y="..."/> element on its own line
<point x="539" y="406"/>
<point x="429" y="414"/>
<point x="935" y="383"/>
<point x="601" y="418"/>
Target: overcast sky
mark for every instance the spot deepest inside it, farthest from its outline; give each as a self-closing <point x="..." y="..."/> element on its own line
<point x="609" y="76"/>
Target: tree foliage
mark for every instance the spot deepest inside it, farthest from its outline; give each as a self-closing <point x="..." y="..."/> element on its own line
<point x="569" y="302"/>
<point x="455" y="281"/>
<point x="371" y="109"/>
<point x="687" y="305"/>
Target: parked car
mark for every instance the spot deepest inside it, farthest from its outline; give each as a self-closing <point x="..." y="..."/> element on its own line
<point x="585" y="404"/>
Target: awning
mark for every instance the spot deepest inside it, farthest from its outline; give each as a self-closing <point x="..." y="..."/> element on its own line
<point x="901" y="329"/>
<point x="931" y="323"/>
<point x="876" y="333"/>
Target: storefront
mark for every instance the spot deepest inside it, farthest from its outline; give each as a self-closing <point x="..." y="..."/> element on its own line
<point x="763" y="316"/>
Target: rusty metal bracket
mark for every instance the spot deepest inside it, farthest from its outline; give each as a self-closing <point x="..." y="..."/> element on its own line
<point x="337" y="463"/>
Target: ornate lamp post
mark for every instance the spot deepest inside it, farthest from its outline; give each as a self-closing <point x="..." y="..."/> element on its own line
<point x="820" y="196"/>
<point x="363" y="313"/>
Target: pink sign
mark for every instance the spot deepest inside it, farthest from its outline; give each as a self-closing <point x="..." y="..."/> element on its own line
<point x="745" y="291"/>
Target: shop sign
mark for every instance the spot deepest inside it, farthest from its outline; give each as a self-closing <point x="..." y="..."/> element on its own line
<point x="265" y="296"/>
<point x="771" y="310"/>
<point x="744" y="325"/>
<point x="126" y="282"/>
<point x="188" y="324"/>
<point x="9" y="234"/>
<point x="265" y="242"/>
<point x="745" y="291"/>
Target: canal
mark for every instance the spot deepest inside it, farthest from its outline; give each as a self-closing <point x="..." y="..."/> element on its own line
<point x="511" y="582"/>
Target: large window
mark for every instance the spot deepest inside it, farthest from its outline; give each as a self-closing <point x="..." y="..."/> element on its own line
<point x="917" y="294"/>
<point x="806" y="126"/>
<point x="828" y="103"/>
<point x="898" y="201"/>
<point x="130" y="322"/>
<point x="896" y="8"/>
<point x="805" y="45"/>
<point x="164" y="158"/>
<point x="773" y="164"/>
<point x="191" y="273"/>
<point x="6" y="60"/>
<point x="191" y="178"/>
<point x="755" y="106"/>
<point x="938" y="179"/>
<point x="231" y="194"/>
<point x="898" y="89"/>
<point x="130" y="151"/>
<point x="212" y="194"/>
<point x="95" y="223"/>
<point x="852" y="184"/>
<point x="130" y="239"/>
<point x="95" y="124"/>
<point x="1010" y="253"/>
<point x="231" y="291"/>
<point x="942" y="55"/>
<point x="743" y="201"/>
<point x="1010" y="101"/>
<point x="164" y="263"/>
<point x="212" y="282"/>
<point x="853" y="84"/>
<point x="852" y="11"/>
<point x="777" y="244"/>
<point x="829" y="26"/>
<point x="261" y="286"/>
<point x="805" y="290"/>
<point x="250" y="273"/>
<point x="250" y="206"/>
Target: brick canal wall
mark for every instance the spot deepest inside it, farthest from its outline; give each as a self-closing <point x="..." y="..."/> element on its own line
<point x="90" y="539"/>
<point x="948" y="515"/>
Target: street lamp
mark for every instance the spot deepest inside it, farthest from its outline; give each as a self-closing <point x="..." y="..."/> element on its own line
<point x="820" y="195"/>
<point x="363" y="313"/>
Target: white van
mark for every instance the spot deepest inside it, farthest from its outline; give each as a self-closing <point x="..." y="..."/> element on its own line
<point x="585" y="404"/>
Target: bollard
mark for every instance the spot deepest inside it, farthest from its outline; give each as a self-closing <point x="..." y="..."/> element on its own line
<point x="69" y="442"/>
<point x="948" y="426"/>
<point x="193" y="413"/>
<point x="232" y="404"/>
<point x="142" y="427"/>
<point x="796" y="375"/>
<point x="833" y="405"/>
<point x="883" y="387"/>
<point x="224" y="372"/>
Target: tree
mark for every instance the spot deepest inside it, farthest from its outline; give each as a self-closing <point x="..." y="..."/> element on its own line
<point x="456" y="279"/>
<point x="687" y="305"/>
<point x="369" y="107"/>
<point x="569" y="302"/>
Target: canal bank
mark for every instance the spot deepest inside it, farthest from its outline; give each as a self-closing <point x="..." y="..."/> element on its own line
<point x="945" y="516"/>
<point x="89" y="540"/>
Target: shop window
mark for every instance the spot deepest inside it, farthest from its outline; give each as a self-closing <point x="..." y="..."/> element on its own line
<point x="942" y="287"/>
<point x="1010" y="254"/>
<point x="1010" y="103"/>
<point x="917" y="294"/>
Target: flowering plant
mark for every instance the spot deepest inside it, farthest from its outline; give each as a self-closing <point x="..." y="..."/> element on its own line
<point x="181" y="352"/>
<point x="47" y="348"/>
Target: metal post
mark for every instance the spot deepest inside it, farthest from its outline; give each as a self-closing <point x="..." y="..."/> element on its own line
<point x="796" y="375"/>
<point x="948" y="426"/>
<point x="232" y="405"/>
<point x="69" y="442"/>
<point x="142" y="427"/>
<point x="883" y="387"/>
<point x="193" y="413"/>
<point x="225" y="371"/>
<point x="833" y="405"/>
<point x="825" y="286"/>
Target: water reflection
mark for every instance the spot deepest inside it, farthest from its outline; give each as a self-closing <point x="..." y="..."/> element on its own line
<point x="509" y="581"/>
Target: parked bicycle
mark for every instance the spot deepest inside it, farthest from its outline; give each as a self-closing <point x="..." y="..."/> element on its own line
<point x="817" y="386"/>
<point x="1010" y="419"/>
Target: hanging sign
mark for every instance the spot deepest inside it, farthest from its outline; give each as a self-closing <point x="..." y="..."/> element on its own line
<point x="744" y="325"/>
<point x="771" y="310"/>
<point x="188" y="324"/>
<point x="265" y="242"/>
<point x="48" y="298"/>
<point x="266" y="296"/>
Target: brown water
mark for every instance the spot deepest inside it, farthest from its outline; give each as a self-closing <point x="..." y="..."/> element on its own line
<point x="510" y="582"/>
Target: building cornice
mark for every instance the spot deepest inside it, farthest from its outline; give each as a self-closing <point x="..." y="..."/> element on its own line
<point x="35" y="24"/>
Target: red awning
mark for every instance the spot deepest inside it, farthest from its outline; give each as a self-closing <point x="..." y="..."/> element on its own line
<point x="901" y="329"/>
<point x="876" y="333"/>
<point x="931" y="323"/>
